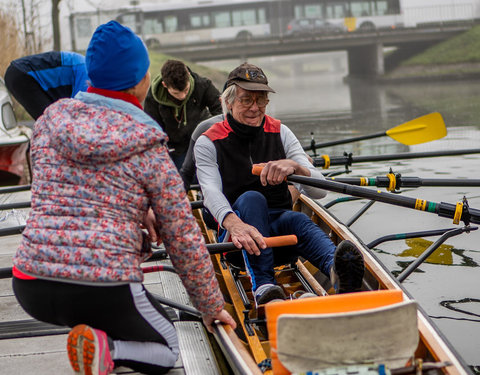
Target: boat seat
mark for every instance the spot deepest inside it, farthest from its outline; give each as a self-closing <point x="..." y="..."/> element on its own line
<point x="342" y="330"/>
<point x="284" y="261"/>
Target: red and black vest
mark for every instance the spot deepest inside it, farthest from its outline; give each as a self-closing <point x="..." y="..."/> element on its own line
<point x="237" y="150"/>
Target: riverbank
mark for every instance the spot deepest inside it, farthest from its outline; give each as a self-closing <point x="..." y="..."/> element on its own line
<point x="454" y="59"/>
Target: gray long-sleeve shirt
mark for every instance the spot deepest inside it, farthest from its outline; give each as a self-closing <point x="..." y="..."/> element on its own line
<point x="211" y="182"/>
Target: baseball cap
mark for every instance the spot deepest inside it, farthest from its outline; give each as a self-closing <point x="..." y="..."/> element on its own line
<point x="248" y="77"/>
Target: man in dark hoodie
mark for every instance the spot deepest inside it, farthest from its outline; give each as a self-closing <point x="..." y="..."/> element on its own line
<point x="179" y="100"/>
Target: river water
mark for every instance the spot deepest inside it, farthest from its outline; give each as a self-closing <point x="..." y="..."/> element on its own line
<point x="313" y="97"/>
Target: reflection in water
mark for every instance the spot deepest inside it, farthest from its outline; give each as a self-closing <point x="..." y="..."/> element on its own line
<point x="442" y="256"/>
<point x="417" y="246"/>
<point x="469" y="305"/>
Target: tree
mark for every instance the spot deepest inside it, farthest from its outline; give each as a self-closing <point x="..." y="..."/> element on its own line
<point x="11" y="42"/>
<point x="56" y="25"/>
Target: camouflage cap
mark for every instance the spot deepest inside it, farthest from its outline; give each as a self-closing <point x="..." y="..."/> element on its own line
<point x="248" y="77"/>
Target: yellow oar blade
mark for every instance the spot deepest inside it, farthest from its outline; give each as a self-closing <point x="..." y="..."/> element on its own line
<point x="420" y="130"/>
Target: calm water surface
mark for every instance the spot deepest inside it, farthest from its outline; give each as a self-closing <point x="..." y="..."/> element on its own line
<point x="315" y="99"/>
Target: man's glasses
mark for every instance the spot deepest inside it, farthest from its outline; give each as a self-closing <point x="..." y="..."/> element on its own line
<point x="247" y="101"/>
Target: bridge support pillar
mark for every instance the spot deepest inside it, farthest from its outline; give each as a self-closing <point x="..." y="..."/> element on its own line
<point x="366" y="61"/>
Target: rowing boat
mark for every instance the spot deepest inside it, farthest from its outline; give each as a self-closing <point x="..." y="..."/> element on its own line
<point x="382" y="316"/>
<point x="328" y="333"/>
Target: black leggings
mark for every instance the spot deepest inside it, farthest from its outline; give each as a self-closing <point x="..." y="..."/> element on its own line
<point x="125" y="312"/>
<point x="27" y="91"/>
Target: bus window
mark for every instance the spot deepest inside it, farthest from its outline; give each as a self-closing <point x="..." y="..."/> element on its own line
<point x="308" y="11"/>
<point x="336" y="11"/>
<point x="84" y="27"/>
<point x="298" y="11"/>
<point x="199" y="20"/>
<point x="152" y="25"/>
<point x="171" y="23"/>
<point x="382" y="8"/>
<point x="128" y="20"/>
<point x="243" y="17"/>
<point x="221" y="19"/>
<point x="313" y="11"/>
<point x="262" y="15"/>
<point x="360" y="8"/>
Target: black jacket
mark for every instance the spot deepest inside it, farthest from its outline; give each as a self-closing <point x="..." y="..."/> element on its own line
<point x="180" y="120"/>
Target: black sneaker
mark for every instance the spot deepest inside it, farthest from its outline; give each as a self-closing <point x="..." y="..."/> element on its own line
<point x="270" y="294"/>
<point x="348" y="268"/>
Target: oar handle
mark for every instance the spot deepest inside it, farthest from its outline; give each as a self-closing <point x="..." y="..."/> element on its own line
<point x="277" y="241"/>
<point x="257" y="169"/>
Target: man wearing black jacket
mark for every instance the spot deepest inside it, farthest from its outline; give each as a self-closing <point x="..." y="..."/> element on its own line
<point x="179" y="100"/>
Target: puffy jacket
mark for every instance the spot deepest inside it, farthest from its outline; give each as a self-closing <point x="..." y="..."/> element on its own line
<point x="98" y="164"/>
<point x="180" y="120"/>
<point x="60" y="74"/>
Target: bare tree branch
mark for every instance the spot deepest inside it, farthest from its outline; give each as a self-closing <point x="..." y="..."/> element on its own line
<point x="56" y="25"/>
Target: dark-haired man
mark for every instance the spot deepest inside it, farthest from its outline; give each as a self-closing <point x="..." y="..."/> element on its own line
<point x="251" y="207"/>
<point x="179" y="100"/>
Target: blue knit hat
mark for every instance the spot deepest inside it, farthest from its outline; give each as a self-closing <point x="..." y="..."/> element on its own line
<point x="116" y="58"/>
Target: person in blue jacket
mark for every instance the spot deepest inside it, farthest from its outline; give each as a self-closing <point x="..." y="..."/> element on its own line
<point x="36" y="81"/>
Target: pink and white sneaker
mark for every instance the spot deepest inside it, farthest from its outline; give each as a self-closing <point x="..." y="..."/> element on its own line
<point x="88" y="351"/>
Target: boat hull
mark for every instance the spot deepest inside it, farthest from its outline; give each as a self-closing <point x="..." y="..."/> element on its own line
<point x="432" y="347"/>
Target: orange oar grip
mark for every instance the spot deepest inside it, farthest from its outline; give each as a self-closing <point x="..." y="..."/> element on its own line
<point x="257" y="169"/>
<point x="288" y="240"/>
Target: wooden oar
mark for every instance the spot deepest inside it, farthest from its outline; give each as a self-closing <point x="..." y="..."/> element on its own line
<point x="396" y="181"/>
<point x="420" y="130"/>
<point x="458" y="212"/>
<point x="326" y="161"/>
<point x="219" y="248"/>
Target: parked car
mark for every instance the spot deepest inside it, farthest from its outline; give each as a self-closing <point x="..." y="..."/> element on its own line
<point x="301" y="26"/>
<point x="14" y="141"/>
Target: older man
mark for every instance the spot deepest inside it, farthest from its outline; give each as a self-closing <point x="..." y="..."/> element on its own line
<point x="251" y="207"/>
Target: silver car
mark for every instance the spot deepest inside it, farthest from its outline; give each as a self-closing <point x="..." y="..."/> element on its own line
<point x="302" y="26"/>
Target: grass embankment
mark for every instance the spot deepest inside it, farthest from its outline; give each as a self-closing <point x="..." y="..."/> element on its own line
<point x="456" y="57"/>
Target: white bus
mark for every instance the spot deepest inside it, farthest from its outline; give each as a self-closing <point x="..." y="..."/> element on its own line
<point x="205" y="21"/>
<point x="208" y="21"/>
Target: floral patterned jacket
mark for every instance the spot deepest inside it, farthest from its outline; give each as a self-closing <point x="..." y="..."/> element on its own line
<point x="98" y="165"/>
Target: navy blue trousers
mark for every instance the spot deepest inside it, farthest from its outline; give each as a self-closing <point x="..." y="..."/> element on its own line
<point x="313" y="244"/>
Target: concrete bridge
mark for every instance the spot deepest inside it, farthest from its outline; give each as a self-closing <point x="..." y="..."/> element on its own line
<point x="364" y="49"/>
